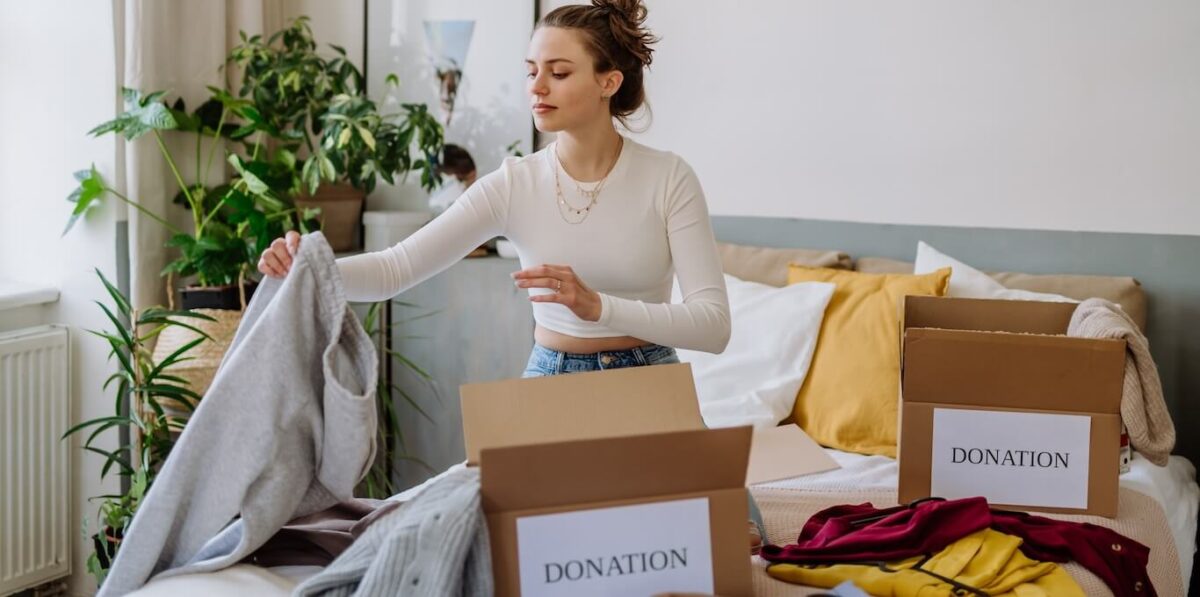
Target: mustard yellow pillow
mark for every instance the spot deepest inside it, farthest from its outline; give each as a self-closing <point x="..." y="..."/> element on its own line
<point x="850" y="398"/>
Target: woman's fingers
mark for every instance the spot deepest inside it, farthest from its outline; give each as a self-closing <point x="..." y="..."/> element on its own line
<point x="551" y="283"/>
<point x="275" y="264"/>
<point x="292" y="239"/>
<point x="562" y="272"/>
<point x="280" y="250"/>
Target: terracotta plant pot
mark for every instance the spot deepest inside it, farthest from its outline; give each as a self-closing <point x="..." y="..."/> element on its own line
<point x="341" y="214"/>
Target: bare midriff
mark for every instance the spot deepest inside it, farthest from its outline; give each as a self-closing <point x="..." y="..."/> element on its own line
<point x="575" y="345"/>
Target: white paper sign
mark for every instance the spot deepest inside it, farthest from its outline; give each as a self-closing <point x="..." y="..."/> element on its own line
<point x="626" y="550"/>
<point x="1023" y="459"/>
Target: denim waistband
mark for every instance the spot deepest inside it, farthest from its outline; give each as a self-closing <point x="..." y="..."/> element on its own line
<point x="557" y="361"/>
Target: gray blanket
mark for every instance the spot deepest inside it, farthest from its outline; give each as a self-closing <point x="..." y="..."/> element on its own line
<point x="287" y="428"/>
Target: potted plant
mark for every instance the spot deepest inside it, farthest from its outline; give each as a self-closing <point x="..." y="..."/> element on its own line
<point x="316" y="110"/>
<point x="230" y="224"/>
<point x="151" y="391"/>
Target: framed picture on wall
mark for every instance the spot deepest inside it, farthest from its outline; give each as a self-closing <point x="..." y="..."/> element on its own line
<point x="465" y="60"/>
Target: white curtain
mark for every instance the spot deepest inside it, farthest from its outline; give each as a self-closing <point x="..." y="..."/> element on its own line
<point x="179" y="46"/>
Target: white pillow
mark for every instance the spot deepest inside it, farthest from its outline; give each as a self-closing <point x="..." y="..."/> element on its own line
<point x="968" y="282"/>
<point x="774" y="333"/>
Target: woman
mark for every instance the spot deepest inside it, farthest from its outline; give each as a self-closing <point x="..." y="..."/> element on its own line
<point x="601" y="223"/>
<point x="594" y="206"/>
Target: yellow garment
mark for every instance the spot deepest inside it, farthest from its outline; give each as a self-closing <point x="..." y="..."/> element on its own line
<point x="987" y="560"/>
<point x="850" y="397"/>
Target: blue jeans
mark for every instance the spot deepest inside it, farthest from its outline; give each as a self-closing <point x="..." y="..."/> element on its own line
<point x="544" y="361"/>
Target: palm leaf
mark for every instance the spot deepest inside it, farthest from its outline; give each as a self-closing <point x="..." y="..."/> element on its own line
<point x="409" y="399"/>
<point x="111" y="458"/>
<point x="174" y="356"/>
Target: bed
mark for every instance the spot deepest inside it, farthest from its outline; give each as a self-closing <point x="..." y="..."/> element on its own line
<point x="1158" y="508"/>
<point x="1158" y="505"/>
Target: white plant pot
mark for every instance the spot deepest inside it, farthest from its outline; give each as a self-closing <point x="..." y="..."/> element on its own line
<point x="383" y="229"/>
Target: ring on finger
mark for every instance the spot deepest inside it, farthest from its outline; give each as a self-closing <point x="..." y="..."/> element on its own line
<point x="558" y="286"/>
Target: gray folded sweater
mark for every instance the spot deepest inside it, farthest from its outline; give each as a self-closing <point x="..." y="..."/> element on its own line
<point x="286" y="429"/>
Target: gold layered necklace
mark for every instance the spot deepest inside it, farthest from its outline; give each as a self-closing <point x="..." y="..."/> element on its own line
<point x="568" y="212"/>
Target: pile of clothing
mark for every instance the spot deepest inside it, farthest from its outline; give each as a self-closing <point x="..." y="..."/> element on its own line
<point x="956" y="547"/>
<point x="266" y="468"/>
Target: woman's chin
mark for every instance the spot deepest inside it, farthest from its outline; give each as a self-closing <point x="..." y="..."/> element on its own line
<point x="546" y="125"/>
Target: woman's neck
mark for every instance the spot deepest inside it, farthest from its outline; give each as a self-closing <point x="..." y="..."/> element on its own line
<point x="588" y="155"/>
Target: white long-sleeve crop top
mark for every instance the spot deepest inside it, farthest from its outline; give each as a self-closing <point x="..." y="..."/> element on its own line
<point x="649" y="225"/>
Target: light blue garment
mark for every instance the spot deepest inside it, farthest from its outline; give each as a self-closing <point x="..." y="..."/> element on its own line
<point x="544" y="361"/>
<point x="435" y="544"/>
<point x="286" y="429"/>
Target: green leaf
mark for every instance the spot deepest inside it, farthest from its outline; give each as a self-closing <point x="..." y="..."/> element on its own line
<point x="122" y="303"/>
<point x="286" y="158"/>
<point x="413" y="403"/>
<point x="111" y="458"/>
<point x="90" y="422"/>
<point x="175" y="356"/>
<point x="252" y="114"/>
<point x="168" y="390"/>
<point x="159" y="312"/>
<point x="392" y="79"/>
<point x="157" y="116"/>
<point x="254" y="184"/>
<point x="311" y="175"/>
<point x="328" y="172"/>
<point x="367" y="137"/>
<point x="408" y="363"/>
<point x="90" y="190"/>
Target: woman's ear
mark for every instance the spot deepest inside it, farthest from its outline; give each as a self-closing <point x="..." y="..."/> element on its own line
<point x="611" y="82"/>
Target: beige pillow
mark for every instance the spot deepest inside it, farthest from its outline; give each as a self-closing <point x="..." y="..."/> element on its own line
<point x="1122" y="290"/>
<point x="882" y="265"/>
<point x="767" y="265"/>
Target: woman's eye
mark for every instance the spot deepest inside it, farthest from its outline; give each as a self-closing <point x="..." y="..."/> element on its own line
<point x="561" y="75"/>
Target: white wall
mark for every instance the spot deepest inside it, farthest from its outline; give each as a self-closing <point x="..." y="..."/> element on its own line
<point x="1076" y="115"/>
<point x="338" y="22"/>
<point x="59" y="87"/>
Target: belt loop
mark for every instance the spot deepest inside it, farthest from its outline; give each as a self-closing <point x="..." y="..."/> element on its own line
<point x="558" y="361"/>
<point x="639" y="355"/>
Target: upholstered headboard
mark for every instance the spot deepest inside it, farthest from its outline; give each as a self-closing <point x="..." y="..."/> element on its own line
<point x="1154" y="277"/>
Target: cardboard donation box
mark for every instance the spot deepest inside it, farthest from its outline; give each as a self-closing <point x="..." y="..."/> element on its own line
<point x="607" y="483"/>
<point x="998" y="402"/>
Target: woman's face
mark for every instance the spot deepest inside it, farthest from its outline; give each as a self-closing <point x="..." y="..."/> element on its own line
<point x="565" y="91"/>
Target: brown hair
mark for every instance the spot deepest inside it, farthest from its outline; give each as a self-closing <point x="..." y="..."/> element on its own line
<point x="614" y="35"/>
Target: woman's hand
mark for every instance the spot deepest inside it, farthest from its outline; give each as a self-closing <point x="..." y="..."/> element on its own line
<point x="276" y="261"/>
<point x="568" y="289"/>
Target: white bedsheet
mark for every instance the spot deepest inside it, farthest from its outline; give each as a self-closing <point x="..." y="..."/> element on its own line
<point x="1172" y="486"/>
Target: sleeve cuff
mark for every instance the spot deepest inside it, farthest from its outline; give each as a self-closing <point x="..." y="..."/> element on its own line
<point x="605" y="309"/>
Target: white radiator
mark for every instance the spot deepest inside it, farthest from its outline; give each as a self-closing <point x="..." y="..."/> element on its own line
<point x="35" y="529"/>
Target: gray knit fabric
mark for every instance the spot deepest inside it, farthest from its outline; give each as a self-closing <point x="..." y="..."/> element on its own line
<point x="435" y="545"/>
<point x="287" y="428"/>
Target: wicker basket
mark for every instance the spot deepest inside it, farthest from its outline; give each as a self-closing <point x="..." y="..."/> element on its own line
<point x="204" y="357"/>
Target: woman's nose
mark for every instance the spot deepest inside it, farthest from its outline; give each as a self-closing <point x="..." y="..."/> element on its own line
<point x="537" y="85"/>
